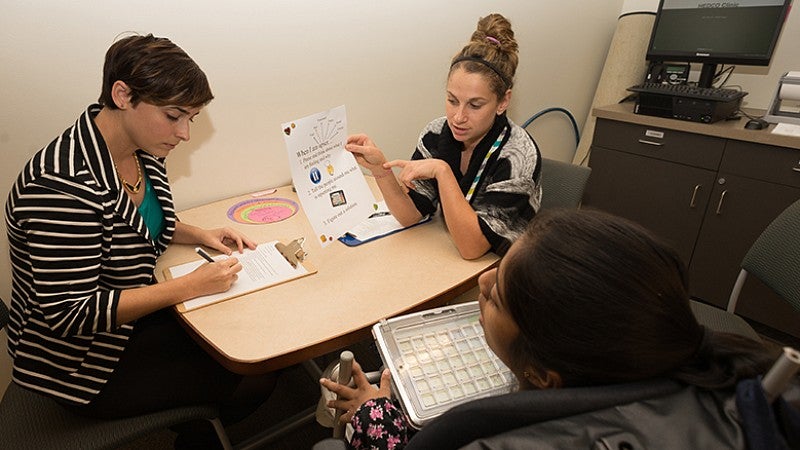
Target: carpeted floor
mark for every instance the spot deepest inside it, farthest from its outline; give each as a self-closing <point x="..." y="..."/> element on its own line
<point x="294" y="393"/>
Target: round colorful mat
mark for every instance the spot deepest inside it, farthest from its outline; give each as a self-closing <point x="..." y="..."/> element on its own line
<point x="262" y="210"/>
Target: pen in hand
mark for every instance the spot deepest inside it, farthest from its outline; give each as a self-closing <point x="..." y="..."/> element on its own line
<point x="204" y="254"/>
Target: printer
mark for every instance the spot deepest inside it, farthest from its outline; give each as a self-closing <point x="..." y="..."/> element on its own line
<point x="785" y="106"/>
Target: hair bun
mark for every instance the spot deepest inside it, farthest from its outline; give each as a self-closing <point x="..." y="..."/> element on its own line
<point x="493" y="47"/>
<point x="495" y="30"/>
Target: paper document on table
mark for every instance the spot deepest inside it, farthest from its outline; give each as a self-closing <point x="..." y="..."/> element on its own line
<point x="787" y="129"/>
<point x="261" y="268"/>
<point x="334" y="194"/>
<point x="378" y="224"/>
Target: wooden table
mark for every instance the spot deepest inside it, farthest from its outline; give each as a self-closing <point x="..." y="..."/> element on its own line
<point x="354" y="288"/>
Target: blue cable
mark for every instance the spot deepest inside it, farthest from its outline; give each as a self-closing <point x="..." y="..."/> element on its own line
<point x="560" y="109"/>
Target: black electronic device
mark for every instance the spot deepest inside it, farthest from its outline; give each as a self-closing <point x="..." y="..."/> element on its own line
<point x="685" y="90"/>
<point x="668" y="73"/>
<point x="676" y="73"/>
<point x="686" y="108"/>
<point x="744" y="32"/>
<point x="756" y="124"/>
<point x="685" y="102"/>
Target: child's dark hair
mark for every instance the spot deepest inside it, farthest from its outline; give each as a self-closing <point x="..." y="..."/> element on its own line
<point x="600" y="300"/>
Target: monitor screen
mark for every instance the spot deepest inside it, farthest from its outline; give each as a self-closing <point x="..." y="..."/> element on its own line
<point x="733" y="32"/>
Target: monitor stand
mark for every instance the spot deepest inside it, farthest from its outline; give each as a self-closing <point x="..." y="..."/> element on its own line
<point x="707" y="74"/>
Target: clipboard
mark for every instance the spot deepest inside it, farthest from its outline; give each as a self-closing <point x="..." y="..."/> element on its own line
<point x="352" y="239"/>
<point x="270" y="264"/>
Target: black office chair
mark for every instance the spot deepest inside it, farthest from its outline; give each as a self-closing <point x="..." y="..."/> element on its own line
<point x="563" y="183"/>
<point x="32" y="421"/>
<point x="717" y="319"/>
<point x="562" y="187"/>
<point x="774" y="259"/>
<point x="495" y="415"/>
<point x="620" y="416"/>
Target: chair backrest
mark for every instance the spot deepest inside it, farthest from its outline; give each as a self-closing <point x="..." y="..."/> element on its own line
<point x="496" y="415"/>
<point x="30" y="420"/>
<point x="774" y="258"/>
<point x="563" y="183"/>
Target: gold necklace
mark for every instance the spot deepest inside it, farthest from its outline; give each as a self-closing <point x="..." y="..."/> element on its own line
<point x="135" y="187"/>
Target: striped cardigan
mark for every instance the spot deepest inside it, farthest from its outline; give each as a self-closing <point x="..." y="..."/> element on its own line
<point x="76" y="239"/>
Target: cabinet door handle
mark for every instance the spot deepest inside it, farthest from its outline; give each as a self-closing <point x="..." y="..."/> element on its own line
<point x="645" y="141"/>
<point x="692" y="203"/>
<point x="721" y="199"/>
<point x="796" y="169"/>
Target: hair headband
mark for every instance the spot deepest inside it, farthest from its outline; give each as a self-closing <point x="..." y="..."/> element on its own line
<point x="485" y="63"/>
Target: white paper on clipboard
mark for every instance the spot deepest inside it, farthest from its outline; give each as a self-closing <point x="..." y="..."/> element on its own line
<point x="261" y="268"/>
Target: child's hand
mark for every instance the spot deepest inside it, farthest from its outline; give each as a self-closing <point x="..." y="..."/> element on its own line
<point x="350" y="399"/>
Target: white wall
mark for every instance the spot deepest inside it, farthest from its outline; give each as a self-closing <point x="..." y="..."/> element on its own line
<point x="273" y="61"/>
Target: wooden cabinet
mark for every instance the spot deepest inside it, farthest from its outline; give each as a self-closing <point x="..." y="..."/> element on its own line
<point x="709" y="190"/>
<point x="654" y="176"/>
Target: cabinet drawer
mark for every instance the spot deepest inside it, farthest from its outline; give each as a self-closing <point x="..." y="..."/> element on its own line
<point x="762" y="162"/>
<point x="669" y="145"/>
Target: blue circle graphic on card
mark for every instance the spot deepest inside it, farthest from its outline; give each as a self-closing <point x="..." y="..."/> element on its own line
<point x="315" y="175"/>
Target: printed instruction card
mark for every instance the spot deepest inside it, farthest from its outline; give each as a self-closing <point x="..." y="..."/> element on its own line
<point x="334" y="194"/>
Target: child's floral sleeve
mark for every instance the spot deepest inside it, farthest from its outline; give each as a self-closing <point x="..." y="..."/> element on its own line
<point x="380" y="424"/>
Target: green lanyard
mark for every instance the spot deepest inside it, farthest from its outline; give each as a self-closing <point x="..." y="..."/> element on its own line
<point x="494" y="147"/>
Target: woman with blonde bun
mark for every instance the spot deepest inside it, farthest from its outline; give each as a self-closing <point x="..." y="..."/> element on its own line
<point x="478" y="165"/>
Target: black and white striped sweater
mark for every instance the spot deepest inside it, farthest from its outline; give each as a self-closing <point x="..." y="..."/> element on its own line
<point x="76" y="239"/>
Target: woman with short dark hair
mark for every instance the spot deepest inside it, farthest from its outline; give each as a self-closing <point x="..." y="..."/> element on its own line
<point x="87" y="218"/>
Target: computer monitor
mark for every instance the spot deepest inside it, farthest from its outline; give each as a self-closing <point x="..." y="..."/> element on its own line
<point x="730" y="32"/>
